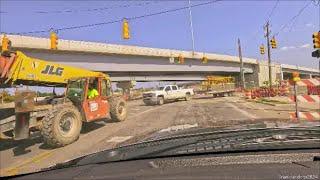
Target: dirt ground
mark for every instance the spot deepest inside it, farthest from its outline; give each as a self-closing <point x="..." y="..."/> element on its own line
<point x="32" y="155"/>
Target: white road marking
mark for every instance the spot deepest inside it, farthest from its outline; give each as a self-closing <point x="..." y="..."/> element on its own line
<point x="119" y="139"/>
<point x="179" y="127"/>
<point x="247" y="114"/>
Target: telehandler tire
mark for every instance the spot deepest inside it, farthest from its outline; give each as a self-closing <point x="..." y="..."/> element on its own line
<point x="61" y="126"/>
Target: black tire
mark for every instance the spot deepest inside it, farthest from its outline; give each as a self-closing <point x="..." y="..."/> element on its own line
<point x="188" y="97"/>
<point x="118" y="109"/>
<point x="61" y="126"/>
<point x="146" y="103"/>
<point x="160" y="100"/>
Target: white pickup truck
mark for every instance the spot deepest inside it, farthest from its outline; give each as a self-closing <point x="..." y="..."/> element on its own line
<point x="166" y="93"/>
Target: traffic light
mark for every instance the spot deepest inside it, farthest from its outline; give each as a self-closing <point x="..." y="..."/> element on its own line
<point x="316" y="39"/>
<point x="204" y="60"/>
<point x="262" y="49"/>
<point x="316" y="53"/>
<point x="6" y="43"/>
<point x="53" y="40"/>
<point x="180" y="59"/>
<point x="273" y="43"/>
<point x="125" y="29"/>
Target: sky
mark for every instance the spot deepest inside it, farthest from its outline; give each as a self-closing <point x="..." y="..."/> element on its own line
<point x="217" y="26"/>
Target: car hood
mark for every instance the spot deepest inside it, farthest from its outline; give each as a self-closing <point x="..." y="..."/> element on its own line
<point x="161" y="141"/>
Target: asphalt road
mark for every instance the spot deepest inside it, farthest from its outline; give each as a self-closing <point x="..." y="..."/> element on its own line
<point x="31" y="155"/>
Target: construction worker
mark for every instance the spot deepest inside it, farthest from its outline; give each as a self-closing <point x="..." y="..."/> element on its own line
<point x="92" y="91"/>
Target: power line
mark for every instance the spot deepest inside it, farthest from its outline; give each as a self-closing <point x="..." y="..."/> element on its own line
<point x="273" y="10"/>
<point x="91" y="10"/>
<point x="267" y="19"/>
<point x="172" y="10"/>
<point x="115" y="21"/>
<point x="293" y="19"/>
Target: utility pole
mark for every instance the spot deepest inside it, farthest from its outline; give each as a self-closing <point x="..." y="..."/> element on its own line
<point x="242" y="84"/>
<point x="269" y="55"/>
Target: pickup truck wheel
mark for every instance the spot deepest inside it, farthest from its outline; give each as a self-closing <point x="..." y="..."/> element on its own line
<point x="188" y="97"/>
<point x="160" y="100"/>
<point x="61" y="126"/>
<point x="118" y="109"/>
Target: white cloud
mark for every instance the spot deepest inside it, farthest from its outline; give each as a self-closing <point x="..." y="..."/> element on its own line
<point x="305" y="46"/>
<point x="309" y="25"/>
<point x="285" y="48"/>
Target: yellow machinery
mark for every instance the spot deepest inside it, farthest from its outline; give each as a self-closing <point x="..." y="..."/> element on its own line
<point x="60" y="123"/>
<point x="21" y="69"/>
<point x="215" y="80"/>
<point x="217" y="86"/>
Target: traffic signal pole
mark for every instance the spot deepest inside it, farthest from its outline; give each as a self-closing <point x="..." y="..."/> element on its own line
<point x="269" y="55"/>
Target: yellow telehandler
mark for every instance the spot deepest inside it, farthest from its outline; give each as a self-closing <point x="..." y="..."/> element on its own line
<point x="59" y="118"/>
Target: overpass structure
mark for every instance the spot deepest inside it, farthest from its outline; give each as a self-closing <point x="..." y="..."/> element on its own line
<point x="125" y="63"/>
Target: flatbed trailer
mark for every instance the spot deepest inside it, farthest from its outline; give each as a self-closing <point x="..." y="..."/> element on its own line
<point x="218" y="90"/>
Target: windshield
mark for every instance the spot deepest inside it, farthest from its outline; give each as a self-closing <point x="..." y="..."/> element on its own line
<point x="75" y="90"/>
<point x="140" y="71"/>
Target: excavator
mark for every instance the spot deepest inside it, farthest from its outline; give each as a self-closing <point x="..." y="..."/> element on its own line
<point x="59" y="118"/>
